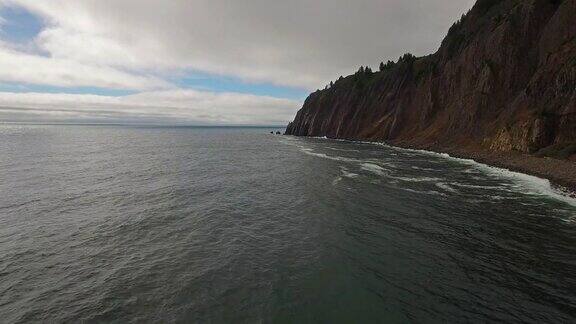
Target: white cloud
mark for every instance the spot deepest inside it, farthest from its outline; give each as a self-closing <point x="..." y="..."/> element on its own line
<point x="19" y="67"/>
<point x="184" y="106"/>
<point x="138" y="44"/>
<point x="301" y="43"/>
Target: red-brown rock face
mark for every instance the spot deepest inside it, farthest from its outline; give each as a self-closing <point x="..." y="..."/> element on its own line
<point x="504" y="79"/>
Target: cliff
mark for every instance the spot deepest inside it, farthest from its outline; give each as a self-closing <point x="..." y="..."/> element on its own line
<point x="503" y="80"/>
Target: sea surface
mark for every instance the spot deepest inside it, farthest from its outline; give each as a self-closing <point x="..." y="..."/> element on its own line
<point x="235" y="225"/>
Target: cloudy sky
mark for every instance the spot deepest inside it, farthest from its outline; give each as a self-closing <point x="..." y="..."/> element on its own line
<point x="246" y="62"/>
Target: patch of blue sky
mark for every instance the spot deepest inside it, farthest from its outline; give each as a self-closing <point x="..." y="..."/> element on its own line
<point x="19" y="26"/>
<point x="23" y="88"/>
<point x="216" y="83"/>
<point x="212" y="84"/>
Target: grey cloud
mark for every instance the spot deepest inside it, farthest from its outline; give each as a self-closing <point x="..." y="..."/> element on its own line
<point x="298" y="43"/>
<point x="139" y="44"/>
<point x="174" y="106"/>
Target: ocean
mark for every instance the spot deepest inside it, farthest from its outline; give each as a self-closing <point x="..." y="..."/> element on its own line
<point x="234" y="225"/>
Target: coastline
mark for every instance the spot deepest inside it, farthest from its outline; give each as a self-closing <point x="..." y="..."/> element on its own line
<point x="560" y="173"/>
<point x="473" y="98"/>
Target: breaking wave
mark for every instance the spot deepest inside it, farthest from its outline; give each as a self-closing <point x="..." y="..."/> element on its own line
<point x="526" y="184"/>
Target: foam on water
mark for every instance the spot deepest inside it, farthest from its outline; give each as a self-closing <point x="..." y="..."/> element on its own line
<point x="446" y="187"/>
<point x="423" y="169"/>
<point x="382" y="162"/>
<point x="376" y="169"/>
<point x="348" y="174"/>
<point x="524" y="183"/>
<point x="336" y="180"/>
<point x="465" y="185"/>
<point x="533" y="184"/>
<point x="426" y="192"/>
<point x="341" y="150"/>
<point x="311" y="152"/>
<point x="417" y="179"/>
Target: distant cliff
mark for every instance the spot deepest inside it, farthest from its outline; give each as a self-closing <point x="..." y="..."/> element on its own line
<point x="503" y="80"/>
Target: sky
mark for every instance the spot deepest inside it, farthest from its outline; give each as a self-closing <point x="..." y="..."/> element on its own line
<point x="197" y="62"/>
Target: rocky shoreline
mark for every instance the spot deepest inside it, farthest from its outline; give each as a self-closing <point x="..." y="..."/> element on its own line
<point x="560" y="173"/>
<point x="501" y="90"/>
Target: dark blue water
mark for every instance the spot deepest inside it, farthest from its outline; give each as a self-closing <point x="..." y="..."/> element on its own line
<point x="212" y="225"/>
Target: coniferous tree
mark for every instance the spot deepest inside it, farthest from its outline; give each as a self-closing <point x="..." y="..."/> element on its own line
<point x="382" y="67"/>
<point x="407" y="58"/>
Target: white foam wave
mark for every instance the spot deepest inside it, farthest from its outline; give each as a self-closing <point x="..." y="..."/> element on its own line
<point x="423" y="169"/>
<point x="376" y="169"/>
<point x="428" y="192"/>
<point x="382" y="163"/>
<point x="446" y="187"/>
<point x="341" y="150"/>
<point x="348" y="174"/>
<point x="527" y="183"/>
<point x="336" y="181"/>
<point x="328" y="157"/>
<point x="417" y="179"/>
<point x="465" y="185"/>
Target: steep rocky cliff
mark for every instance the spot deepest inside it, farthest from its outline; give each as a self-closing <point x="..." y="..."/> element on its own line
<point x="504" y="79"/>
